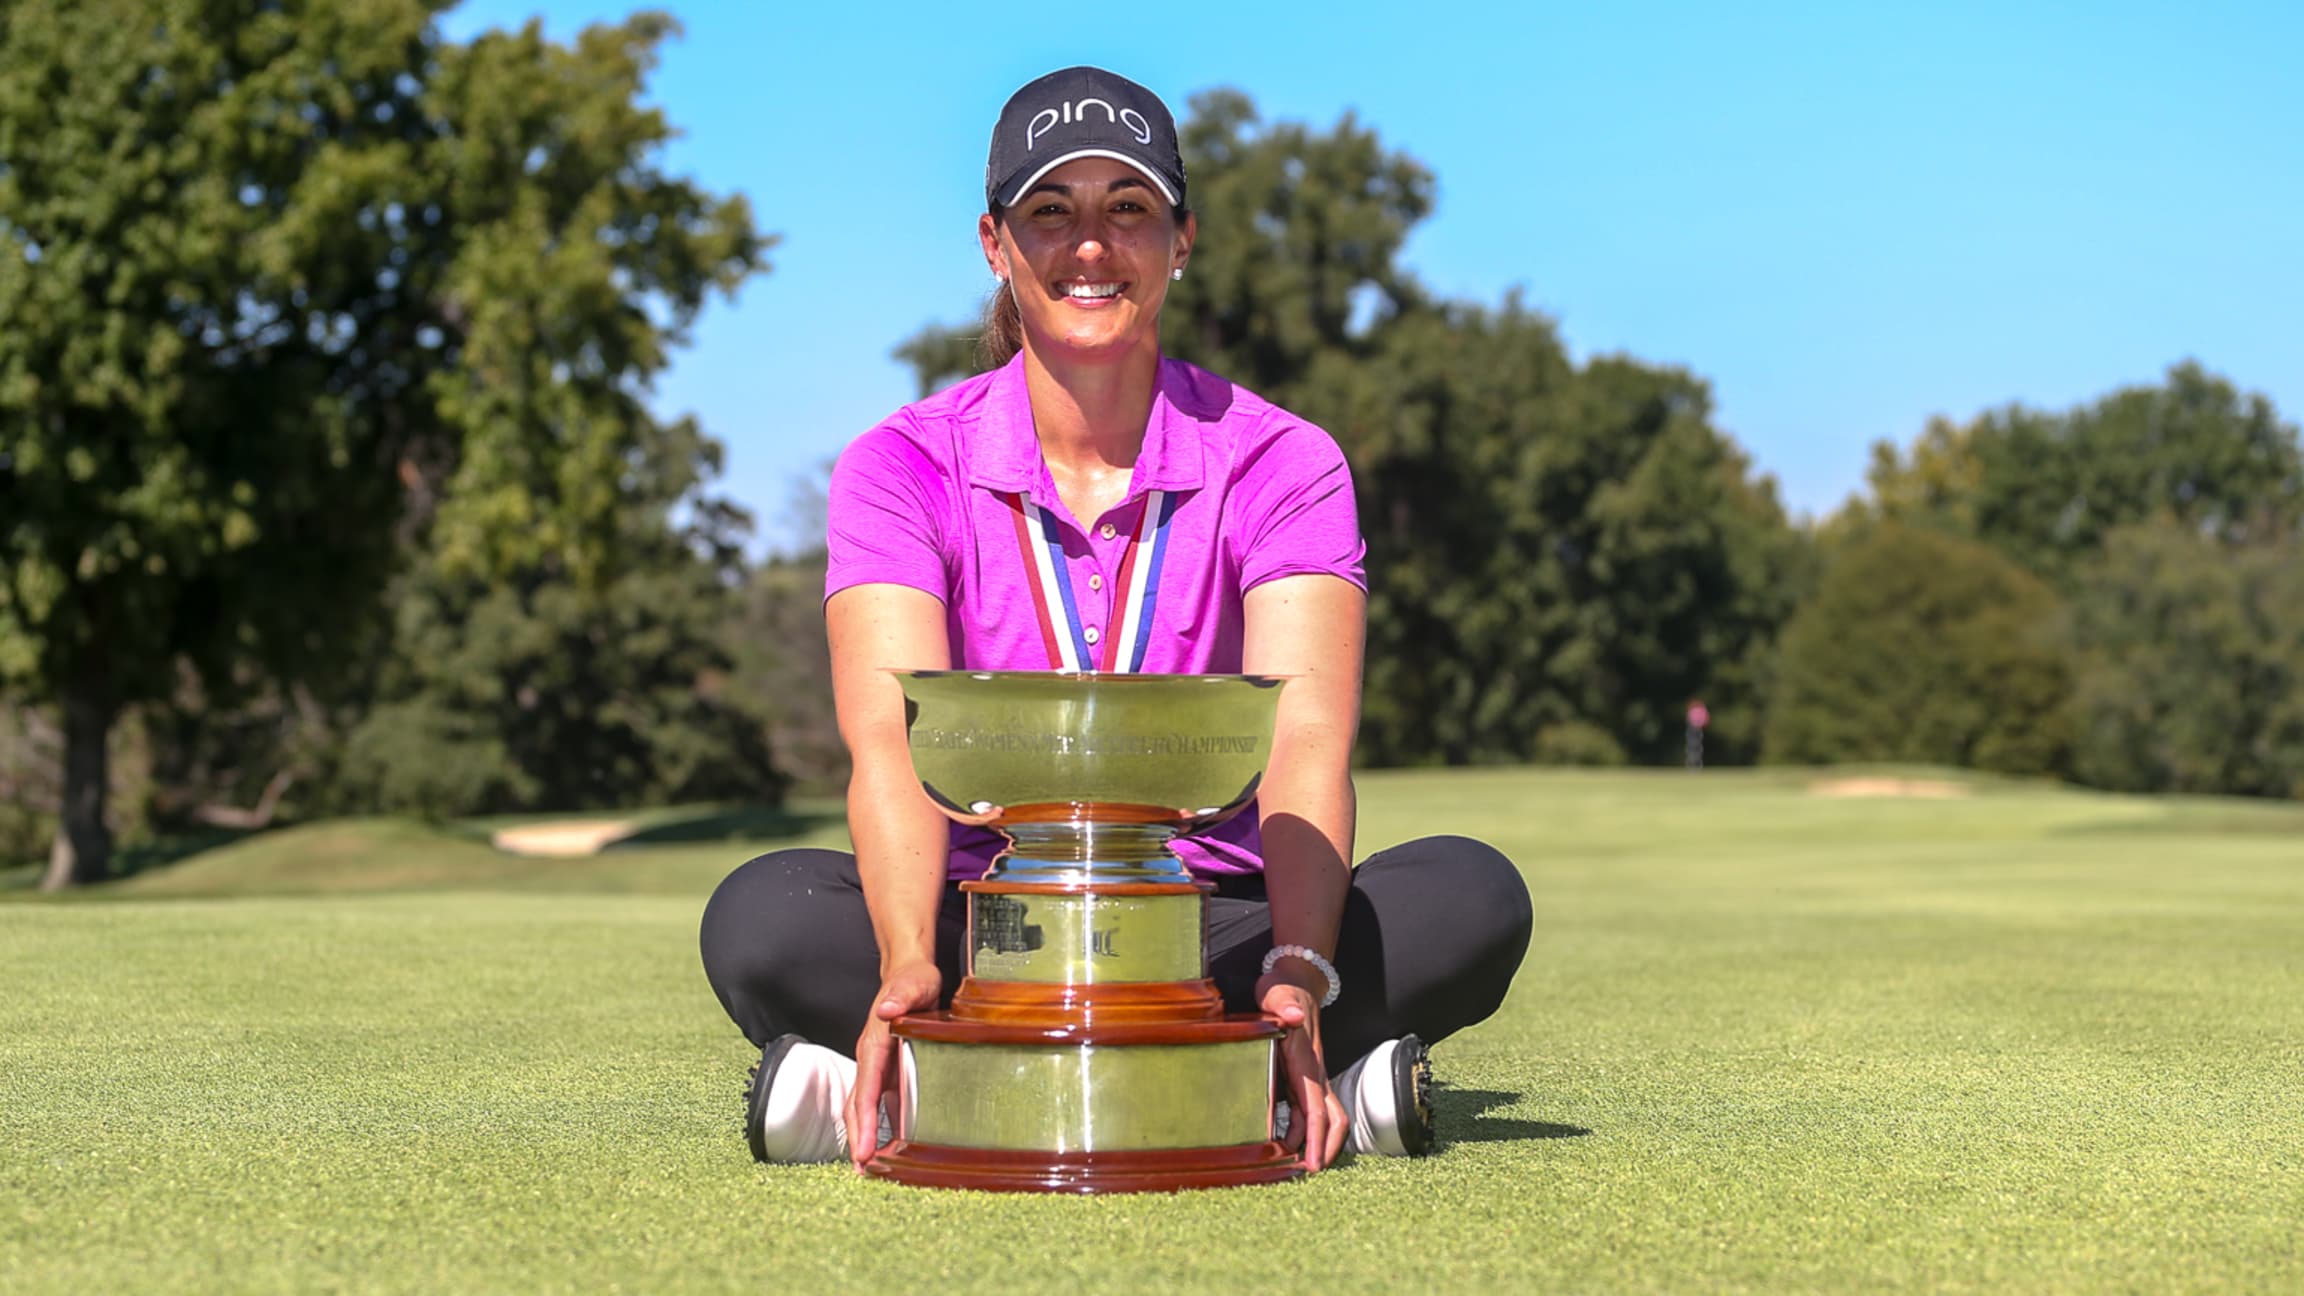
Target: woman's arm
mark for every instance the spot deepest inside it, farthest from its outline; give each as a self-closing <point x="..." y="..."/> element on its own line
<point x="1311" y="628"/>
<point x="901" y="839"/>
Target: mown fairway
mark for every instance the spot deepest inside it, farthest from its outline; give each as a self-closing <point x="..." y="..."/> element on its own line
<point x="2028" y="1039"/>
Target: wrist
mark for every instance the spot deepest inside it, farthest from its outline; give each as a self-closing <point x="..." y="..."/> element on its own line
<point x="1285" y="983"/>
<point x="907" y="960"/>
<point x="1305" y="968"/>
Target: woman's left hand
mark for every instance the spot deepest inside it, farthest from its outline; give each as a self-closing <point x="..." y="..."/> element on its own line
<point x="1319" y="1126"/>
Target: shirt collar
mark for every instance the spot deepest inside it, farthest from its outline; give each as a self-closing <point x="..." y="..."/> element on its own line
<point x="1004" y="452"/>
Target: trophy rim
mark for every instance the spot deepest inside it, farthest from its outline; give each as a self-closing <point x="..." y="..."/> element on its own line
<point x="1099" y="677"/>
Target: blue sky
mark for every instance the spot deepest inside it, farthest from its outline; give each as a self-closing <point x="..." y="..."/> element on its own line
<point x="1845" y="217"/>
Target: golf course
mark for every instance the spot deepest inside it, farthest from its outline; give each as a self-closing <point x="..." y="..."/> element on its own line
<point x="1784" y="1029"/>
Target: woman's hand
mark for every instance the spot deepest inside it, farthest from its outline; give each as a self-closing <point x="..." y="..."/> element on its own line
<point x="976" y="816"/>
<point x="1319" y="1127"/>
<point x="912" y="987"/>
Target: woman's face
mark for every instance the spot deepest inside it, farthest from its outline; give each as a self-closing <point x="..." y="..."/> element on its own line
<point x="1088" y="251"/>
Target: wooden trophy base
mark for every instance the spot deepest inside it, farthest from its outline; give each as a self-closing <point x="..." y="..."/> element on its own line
<point x="1161" y="1170"/>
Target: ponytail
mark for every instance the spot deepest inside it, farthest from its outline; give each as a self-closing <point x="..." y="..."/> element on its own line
<point x="1003" y="334"/>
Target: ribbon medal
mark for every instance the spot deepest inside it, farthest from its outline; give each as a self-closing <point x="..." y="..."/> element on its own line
<point x="1121" y="647"/>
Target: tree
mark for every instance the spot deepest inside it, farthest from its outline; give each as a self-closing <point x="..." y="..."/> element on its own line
<point x="1919" y="646"/>
<point x="783" y="668"/>
<point x="1295" y="277"/>
<point x="2191" y="664"/>
<point x="2046" y="489"/>
<point x="533" y="690"/>
<point x="783" y="663"/>
<point x="1556" y="554"/>
<point x="286" y="285"/>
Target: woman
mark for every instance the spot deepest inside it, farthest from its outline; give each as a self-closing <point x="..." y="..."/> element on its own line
<point x="1083" y="440"/>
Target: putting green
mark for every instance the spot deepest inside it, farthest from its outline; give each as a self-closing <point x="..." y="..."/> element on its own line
<point x="2027" y="1039"/>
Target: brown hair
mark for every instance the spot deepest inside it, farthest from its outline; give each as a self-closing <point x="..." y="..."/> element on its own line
<point x="1003" y="334"/>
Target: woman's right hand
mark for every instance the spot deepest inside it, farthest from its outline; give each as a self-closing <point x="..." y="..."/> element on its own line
<point x="977" y="816"/>
<point x="909" y="987"/>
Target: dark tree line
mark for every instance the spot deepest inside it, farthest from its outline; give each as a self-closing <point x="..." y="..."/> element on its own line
<point x="2112" y="593"/>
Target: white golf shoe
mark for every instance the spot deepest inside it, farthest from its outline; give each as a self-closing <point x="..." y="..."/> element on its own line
<point x="1387" y="1097"/>
<point x="795" y="1103"/>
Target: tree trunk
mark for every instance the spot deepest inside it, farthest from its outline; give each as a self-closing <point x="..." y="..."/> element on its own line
<point x="83" y="850"/>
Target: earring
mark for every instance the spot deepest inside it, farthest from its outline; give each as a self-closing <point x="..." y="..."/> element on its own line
<point x="1177" y="273"/>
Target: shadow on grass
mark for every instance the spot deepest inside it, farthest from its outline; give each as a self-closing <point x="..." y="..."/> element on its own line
<point x="746" y="823"/>
<point x="1462" y="1119"/>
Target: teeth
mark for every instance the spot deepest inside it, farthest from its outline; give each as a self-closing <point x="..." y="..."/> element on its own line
<point x="1091" y="290"/>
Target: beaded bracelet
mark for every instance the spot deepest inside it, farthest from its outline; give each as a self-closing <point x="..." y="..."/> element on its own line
<point x="1313" y="957"/>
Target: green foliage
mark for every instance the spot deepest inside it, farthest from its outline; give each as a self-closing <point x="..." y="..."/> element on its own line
<point x="281" y="286"/>
<point x="27" y="785"/>
<point x="2168" y="516"/>
<point x="184" y="392"/>
<point x="579" y="264"/>
<point x="1922" y="647"/>
<point x="1551" y="546"/>
<point x="1298" y="234"/>
<point x="783" y="669"/>
<point x="556" y="698"/>
<point x="540" y="691"/>
<point x="1573" y="742"/>
<point x="2046" y="489"/>
<point x="2191" y="665"/>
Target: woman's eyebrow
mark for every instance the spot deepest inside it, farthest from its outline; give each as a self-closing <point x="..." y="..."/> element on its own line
<point x="1063" y="190"/>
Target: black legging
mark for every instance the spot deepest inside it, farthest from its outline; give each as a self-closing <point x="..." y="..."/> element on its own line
<point x="1433" y="931"/>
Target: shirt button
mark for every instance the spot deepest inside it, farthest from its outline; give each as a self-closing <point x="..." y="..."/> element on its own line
<point x="1095" y="582"/>
<point x="1107" y="531"/>
<point x="1092" y="636"/>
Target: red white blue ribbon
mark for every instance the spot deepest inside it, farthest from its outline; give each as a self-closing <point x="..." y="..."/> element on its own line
<point x="1136" y="591"/>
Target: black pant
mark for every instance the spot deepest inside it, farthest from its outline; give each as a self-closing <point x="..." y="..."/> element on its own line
<point x="1433" y="931"/>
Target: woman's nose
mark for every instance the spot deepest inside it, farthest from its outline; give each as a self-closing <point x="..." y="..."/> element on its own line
<point x="1091" y="245"/>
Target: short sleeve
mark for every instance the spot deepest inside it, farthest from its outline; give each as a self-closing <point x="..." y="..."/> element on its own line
<point x="884" y="517"/>
<point x="1294" y="511"/>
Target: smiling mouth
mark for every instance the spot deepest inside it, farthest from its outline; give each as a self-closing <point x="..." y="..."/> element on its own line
<point x="1089" y="291"/>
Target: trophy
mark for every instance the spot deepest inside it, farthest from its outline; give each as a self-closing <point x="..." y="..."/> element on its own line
<point x="1086" y="1049"/>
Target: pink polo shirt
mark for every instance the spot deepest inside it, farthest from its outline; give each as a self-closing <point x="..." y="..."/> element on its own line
<point x="932" y="499"/>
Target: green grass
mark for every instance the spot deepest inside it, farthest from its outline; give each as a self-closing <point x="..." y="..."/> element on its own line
<point x="2032" y="1039"/>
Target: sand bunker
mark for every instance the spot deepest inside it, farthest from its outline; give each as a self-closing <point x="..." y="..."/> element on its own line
<point x="563" y="838"/>
<point x="1887" y="787"/>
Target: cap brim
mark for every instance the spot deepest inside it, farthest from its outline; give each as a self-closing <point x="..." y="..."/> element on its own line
<point x="1017" y="189"/>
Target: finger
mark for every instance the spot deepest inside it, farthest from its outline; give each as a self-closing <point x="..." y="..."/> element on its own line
<point x="1317" y="1152"/>
<point x="1338" y="1128"/>
<point x="1304" y="1087"/>
<point x="864" y="1104"/>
